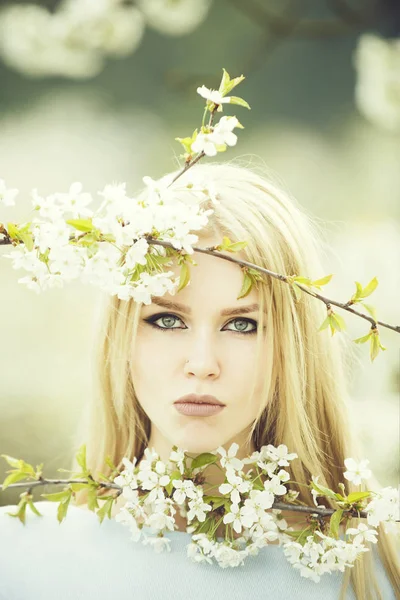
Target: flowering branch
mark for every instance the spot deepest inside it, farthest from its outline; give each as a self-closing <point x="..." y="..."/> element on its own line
<point x="143" y="237"/>
<point x="246" y="504"/>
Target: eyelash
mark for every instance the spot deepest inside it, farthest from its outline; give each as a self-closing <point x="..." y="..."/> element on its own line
<point x="151" y="321"/>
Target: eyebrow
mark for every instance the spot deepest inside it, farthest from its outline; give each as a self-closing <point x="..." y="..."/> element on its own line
<point x="237" y="310"/>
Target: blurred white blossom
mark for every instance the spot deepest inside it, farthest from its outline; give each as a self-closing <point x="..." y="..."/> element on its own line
<point x="7" y="196"/>
<point x="174" y="18"/>
<point x="74" y="40"/>
<point x="71" y="42"/>
<point x="377" y="91"/>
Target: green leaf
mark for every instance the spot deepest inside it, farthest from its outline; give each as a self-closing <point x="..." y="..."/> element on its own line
<point x="206" y="458"/>
<point x="27" y="239"/>
<point x="62" y="510"/>
<point x="246" y="286"/>
<point x="372" y="285"/>
<point x="14" y="478"/>
<point x="237" y="246"/>
<point x="12" y="230"/>
<point x="302" y="538"/>
<point x="77" y="487"/>
<point x="239" y="101"/>
<point x="184" y="276"/>
<point x="323" y="491"/>
<point x="92" y="502"/>
<point x="371" y="309"/>
<point x="176" y="475"/>
<point x="81" y="224"/>
<point x="323" y="281"/>
<point x="325" y="324"/>
<point x="227" y="84"/>
<point x="356" y="496"/>
<point x="363" y="339"/>
<point x="34" y="509"/>
<point x="13" y="462"/>
<point x="339" y="323"/>
<point x="81" y="457"/>
<point x="359" y="289"/>
<point x="305" y="280"/>
<point x="375" y="345"/>
<point x="106" y="509"/>
<point x="334" y="523"/>
<point x="57" y="496"/>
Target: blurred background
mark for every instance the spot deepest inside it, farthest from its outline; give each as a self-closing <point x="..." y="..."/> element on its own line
<point x="96" y="91"/>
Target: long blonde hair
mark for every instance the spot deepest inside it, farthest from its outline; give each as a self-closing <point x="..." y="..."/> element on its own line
<point x="304" y="401"/>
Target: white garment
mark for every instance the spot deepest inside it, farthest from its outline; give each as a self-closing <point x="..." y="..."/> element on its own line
<point x="81" y="559"/>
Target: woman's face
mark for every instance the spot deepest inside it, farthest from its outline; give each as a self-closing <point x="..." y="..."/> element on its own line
<point x="199" y="346"/>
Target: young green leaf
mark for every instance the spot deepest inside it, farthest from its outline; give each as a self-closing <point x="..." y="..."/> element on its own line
<point x="13" y="462"/>
<point x="184" y="276"/>
<point x="363" y="339"/>
<point x="334" y="523"/>
<point x="371" y="309"/>
<point x="356" y="496"/>
<point x="372" y="285"/>
<point x="246" y="286"/>
<point x="81" y="224"/>
<point x="106" y="509"/>
<point x="239" y="101"/>
<point x="323" y="281"/>
<point x="57" y="496"/>
<point x="13" y="478"/>
<point x="206" y="458"/>
<point x="375" y="344"/>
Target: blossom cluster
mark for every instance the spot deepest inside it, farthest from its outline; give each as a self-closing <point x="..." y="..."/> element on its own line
<point x="377" y="90"/>
<point x="74" y="40"/>
<point x="62" y="243"/>
<point x="155" y="490"/>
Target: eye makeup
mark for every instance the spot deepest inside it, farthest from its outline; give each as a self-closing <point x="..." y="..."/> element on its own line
<point x="153" y="318"/>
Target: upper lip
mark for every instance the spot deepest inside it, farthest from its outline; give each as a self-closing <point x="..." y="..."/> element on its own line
<point x="199" y="399"/>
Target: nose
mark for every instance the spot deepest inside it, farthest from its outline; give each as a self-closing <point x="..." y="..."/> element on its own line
<point x="202" y="361"/>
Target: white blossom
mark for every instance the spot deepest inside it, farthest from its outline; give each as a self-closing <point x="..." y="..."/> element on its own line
<point x="198" y="509"/>
<point x="361" y="533"/>
<point x="235" y="486"/>
<point x="7" y="196"/>
<point x="384" y="508"/>
<point x="377" y="90"/>
<point x="356" y="471"/>
<point x="159" y="544"/>
<point x="224" y="130"/>
<point x="75" y="201"/>
<point x="228" y="459"/>
<point x="174" y="18"/>
<point x="207" y="143"/>
<point x="213" y="95"/>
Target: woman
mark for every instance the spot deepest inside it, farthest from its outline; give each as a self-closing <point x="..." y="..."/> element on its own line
<point x="280" y="382"/>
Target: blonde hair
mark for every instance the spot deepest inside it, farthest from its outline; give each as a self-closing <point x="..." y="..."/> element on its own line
<point x="304" y="401"/>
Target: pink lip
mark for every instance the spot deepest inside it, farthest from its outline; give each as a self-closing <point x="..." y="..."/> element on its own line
<point x="192" y="409"/>
<point x="199" y="399"/>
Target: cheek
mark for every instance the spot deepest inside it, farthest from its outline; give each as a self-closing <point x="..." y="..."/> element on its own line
<point x="150" y="359"/>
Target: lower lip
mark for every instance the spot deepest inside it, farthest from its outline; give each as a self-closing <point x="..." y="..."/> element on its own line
<point x="198" y="410"/>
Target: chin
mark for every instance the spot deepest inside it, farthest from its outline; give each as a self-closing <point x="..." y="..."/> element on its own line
<point x="200" y="445"/>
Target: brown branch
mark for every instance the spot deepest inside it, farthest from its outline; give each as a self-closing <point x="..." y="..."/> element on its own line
<point x="190" y="163"/>
<point x="322" y="512"/>
<point x="244" y="263"/>
<point x="327" y="301"/>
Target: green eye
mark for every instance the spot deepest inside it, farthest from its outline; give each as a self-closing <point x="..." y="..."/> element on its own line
<point x="169" y="319"/>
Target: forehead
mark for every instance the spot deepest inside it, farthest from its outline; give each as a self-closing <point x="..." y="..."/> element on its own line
<point x="215" y="283"/>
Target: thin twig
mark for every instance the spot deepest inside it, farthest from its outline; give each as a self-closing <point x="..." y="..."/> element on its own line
<point x="327" y="301"/>
<point x="244" y="263"/>
<point x="323" y="512"/>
